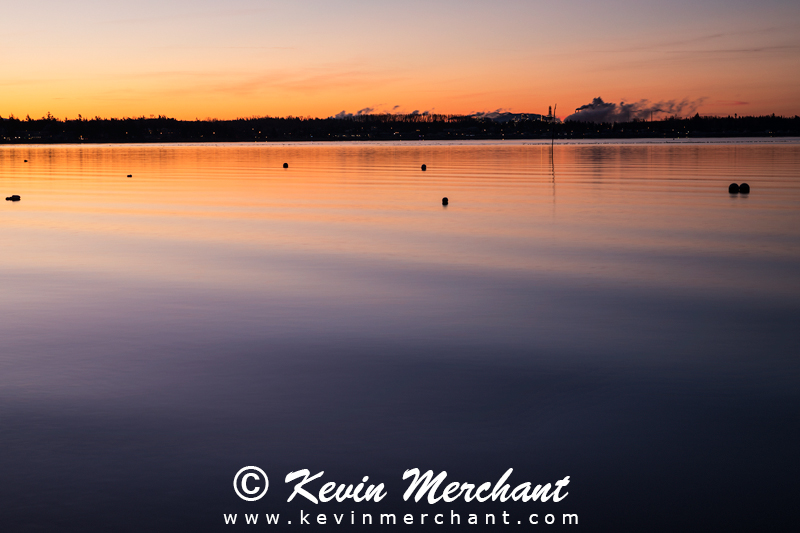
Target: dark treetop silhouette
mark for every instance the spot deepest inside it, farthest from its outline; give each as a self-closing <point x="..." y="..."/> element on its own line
<point x="379" y="127"/>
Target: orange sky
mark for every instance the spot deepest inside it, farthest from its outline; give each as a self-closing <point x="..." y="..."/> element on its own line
<point x="217" y="59"/>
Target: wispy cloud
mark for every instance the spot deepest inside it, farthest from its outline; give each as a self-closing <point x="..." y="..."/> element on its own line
<point x="187" y="16"/>
<point x="307" y="81"/>
<point x="771" y="34"/>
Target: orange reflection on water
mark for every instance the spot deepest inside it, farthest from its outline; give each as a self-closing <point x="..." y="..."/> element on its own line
<point x="632" y="213"/>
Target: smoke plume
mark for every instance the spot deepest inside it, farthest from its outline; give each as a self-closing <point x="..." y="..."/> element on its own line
<point x="503" y="115"/>
<point x="345" y="114"/>
<point x="600" y="111"/>
<point x="379" y="110"/>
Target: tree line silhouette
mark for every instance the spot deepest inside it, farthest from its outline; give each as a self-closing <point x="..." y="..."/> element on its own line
<point x="384" y="127"/>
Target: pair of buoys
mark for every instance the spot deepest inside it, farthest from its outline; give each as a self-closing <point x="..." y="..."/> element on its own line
<point x="13" y="198"/>
<point x="744" y="188"/>
<point x="445" y="201"/>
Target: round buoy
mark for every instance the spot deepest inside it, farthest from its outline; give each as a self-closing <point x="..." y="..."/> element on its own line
<point x="445" y="201"/>
<point x="733" y="188"/>
<point x="744" y="188"/>
<point x="424" y="168"/>
<point x="26" y="160"/>
<point x="286" y="165"/>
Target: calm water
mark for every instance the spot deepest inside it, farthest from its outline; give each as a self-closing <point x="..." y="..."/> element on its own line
<point x="610" y="313"/>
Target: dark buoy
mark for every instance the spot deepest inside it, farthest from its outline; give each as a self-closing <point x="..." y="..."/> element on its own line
<point x="13" y="198"/>
<point x="130" y="175"/>
<point x="733" y="188"/>
<point x="26" y="160"/>
<point x="445" y="201"/>
<point x="744" y="188"/>
<point x="424" y="168"/>
<point x="286" y="165"/>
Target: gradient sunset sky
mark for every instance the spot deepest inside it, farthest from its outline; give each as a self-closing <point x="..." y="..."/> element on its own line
<point x="239" y="58"/>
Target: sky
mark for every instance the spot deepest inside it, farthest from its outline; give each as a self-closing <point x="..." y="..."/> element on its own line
<point x="241" y="58"/>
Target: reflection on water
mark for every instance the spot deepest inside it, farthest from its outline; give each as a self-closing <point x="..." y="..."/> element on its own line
<point x="607" y="311"/>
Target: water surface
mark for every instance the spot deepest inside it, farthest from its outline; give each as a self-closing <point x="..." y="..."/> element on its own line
<point x="605" y="311"/>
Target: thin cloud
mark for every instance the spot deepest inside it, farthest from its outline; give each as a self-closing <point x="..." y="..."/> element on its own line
<point x="671" y="44"/>
<point x="307" y="81"/>
<point x="184" y="16"/>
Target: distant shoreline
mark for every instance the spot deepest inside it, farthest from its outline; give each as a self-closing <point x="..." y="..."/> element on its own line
<point x="719" y="141"/>
<point x="49" y="130"/>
